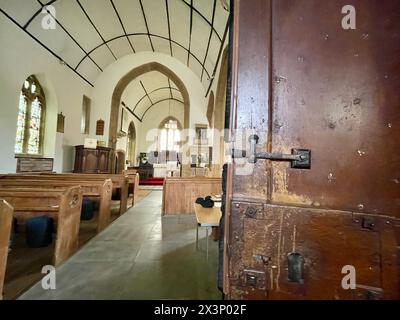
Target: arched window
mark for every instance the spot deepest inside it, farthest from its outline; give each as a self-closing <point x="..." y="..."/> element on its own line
<point x="170" y="135"/>
<point x="31" y="114"/>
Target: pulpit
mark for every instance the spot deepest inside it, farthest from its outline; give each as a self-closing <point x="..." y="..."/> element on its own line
<point x="92" y="160"/>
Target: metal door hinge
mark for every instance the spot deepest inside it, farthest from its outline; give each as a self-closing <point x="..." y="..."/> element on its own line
<point x="300" y="158"/>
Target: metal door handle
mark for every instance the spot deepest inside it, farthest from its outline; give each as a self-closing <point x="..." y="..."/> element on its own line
<point x="300" y="158"/>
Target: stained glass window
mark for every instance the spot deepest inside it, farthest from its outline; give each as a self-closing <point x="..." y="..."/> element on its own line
<point x="30" y="118"/>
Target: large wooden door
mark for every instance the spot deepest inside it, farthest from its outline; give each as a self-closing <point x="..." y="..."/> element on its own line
<point x="301" y="81"/>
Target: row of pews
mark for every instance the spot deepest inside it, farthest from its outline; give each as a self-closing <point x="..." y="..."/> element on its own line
<point x="58" y="196"/>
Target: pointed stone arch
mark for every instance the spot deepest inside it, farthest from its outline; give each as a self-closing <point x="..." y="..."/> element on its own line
<point x="128" y="78"/>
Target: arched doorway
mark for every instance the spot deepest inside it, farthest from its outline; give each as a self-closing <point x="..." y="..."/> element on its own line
<point x="128" y="78"/>
<point x="131" y="144"/>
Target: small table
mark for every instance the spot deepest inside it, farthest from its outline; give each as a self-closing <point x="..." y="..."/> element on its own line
<point x="206" y="218"/>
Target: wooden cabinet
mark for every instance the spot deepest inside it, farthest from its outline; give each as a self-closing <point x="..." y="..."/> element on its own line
<point x="92" y="160"/>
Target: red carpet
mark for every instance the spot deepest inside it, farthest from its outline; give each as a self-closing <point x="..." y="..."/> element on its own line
<point x="152" y="182"/>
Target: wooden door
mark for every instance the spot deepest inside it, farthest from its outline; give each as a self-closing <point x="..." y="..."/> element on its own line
<point x="301" y="81"/>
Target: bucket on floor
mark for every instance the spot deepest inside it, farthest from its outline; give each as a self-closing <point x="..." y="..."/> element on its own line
<point x="87" y="211"/>
<point x="39" y="232"/>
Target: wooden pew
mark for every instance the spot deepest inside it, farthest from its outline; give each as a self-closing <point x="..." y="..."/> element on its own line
<point x="63" y="205"/>
<point x="134" y="179"/>
<point x="179" y="194"/>
<point x="6" y="216"/>
<point x="97" y="189"/>
<point x="119" y="182"/>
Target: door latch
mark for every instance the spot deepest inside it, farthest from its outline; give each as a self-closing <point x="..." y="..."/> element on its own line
<point x="299" y="159"/>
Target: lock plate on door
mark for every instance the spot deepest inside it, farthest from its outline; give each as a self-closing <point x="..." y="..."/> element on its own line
<point x="299" y="158"/>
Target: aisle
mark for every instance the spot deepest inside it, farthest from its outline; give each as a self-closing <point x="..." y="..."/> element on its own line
<point x="140" y="256"/>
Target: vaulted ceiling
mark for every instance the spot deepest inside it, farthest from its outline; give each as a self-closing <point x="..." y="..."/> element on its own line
<point x="147" y="91"/>
<point x="92" y="34"/>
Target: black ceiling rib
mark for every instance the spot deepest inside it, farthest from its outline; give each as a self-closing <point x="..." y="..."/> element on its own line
<point x="194" y="9"/>
<point x="153" y="35"/>
<point x="130" y="111"/>
<point x="70" y="35"/>
<point x="209" y="39"/>
<point x="45" y="47"/>
<point x="202" y="16"/>
<point x="145" y="96"/>
<point x="147" y="26"/>
<point x="169" y="28"/>
<point x="191" y="29"/>
<point x="219" y="53"/>
<point x="98" y="32"/>
<point x="190" y="5"/>
<point x="122" y="25"/>
<point x="145" y="91"/>
<point x="170" y="87"/>
<point x="173" y="99"/>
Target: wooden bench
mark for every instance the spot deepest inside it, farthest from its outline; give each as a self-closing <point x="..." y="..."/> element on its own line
<point x="63" y="205"/>
<point x="134" y="180"/>
<point x="98" y="189"/>
<point x="119" y="181"/>
<point x="6" y="216"/>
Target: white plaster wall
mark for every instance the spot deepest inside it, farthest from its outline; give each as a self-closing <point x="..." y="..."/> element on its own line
<point x="19" y="58"/>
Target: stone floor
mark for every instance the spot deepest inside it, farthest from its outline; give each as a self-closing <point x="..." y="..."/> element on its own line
<point x="140" y="256"/>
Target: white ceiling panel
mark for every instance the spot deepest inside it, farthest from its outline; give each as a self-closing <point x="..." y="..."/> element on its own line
<point x="161" y="45"/>
<point x="200" y="36"/>
<point x="180" y="22"/>
<point x="173" y="85"/>
<point x="205" y="7"/>
<point x="102" y="56"/>
<point x="177" y="95"/>
<point x="221" y="18"/>
<point x="156" y="15"/>
<point x="180" y="53"/>
<point x="195" y="66"/>
<point x="131" y="16"/>
<point x="57" y="41"/>
<point x="120" y="47"/>
<point x="154" y="80"/>
<point x="88" y="70"/>
<point x="141" y="43"/>
<point x="161" y="94"/>
<point x="73" y="19"/>
<point x="103" y="17"/>
<point x="213" y="51"/>
<point x="87" y="22"/>
<point x="21" y="10"/>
